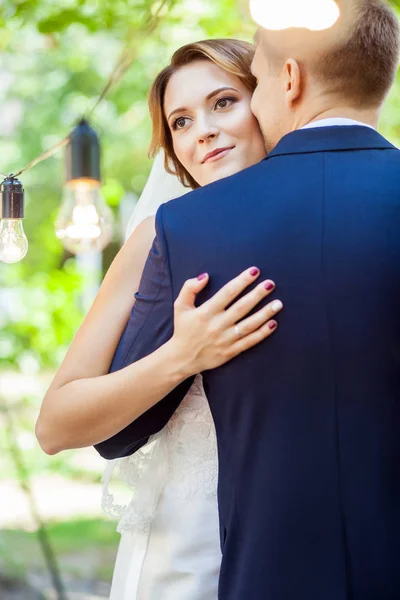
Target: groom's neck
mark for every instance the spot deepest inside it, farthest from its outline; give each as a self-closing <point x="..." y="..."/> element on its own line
<point x="369" y="116"/>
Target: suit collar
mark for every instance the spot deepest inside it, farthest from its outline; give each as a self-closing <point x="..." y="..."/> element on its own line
<point x="330" y="139"/>
<point x="331" y="121"/>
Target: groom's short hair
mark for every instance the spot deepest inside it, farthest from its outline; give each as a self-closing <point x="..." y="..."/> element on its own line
<point x="364" y="66"/>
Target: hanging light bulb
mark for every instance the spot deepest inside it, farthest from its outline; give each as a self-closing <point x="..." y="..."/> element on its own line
<point x="84" y="223"/>
<point x="283" y="14"/>
<point x="13" y="241"/>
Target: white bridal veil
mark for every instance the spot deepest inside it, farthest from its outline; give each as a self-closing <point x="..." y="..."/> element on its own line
<point x="160" y="187"/>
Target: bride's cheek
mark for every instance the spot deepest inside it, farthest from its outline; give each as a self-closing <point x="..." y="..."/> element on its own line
<point x="243" y="120"/>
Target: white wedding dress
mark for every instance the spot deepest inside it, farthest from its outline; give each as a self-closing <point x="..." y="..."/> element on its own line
<point x="169" y="548"/>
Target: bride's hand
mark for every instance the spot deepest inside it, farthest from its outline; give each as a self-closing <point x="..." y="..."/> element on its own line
<point x="212" y="334"/>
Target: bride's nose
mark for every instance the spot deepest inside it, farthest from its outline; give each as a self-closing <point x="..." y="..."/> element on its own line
<point x="208" y="130"/>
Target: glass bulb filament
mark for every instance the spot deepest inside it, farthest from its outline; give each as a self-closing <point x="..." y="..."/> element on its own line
<point x="13" y="241"/>
<point x="85" y="222"/>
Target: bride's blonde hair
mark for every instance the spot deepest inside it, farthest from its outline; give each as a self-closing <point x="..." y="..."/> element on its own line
<point x="233" y="56"/>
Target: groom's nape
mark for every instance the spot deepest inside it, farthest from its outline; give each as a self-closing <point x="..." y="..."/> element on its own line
<point x="304" y="75"/>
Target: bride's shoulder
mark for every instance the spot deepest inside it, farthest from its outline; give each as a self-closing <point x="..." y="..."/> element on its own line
<point x="138" y="244"/>
<point x="144" y="231"/>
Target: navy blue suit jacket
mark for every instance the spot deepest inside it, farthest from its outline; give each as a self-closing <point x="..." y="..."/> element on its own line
<point x="308" y="422"/>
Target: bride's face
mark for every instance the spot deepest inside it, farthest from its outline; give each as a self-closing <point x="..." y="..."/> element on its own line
<point x="214" y="132"/>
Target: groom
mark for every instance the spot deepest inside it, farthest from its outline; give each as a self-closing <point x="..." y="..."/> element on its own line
<point x="308" y="425"/>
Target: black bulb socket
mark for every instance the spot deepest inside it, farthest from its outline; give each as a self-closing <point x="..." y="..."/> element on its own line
<point x="82" y="153"/>
<point x="12" y="198"/>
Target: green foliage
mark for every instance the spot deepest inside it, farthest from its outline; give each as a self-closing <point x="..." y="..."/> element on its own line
<point x="44" y="318"/>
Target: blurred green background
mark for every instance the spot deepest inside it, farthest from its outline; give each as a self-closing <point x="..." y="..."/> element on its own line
<point x="55" y="58"/>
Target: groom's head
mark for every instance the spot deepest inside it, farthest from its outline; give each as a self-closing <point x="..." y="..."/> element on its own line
<point x="347" y="69"/>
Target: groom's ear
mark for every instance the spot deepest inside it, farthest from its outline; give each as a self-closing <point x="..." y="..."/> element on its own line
<point x="292" y="81"/>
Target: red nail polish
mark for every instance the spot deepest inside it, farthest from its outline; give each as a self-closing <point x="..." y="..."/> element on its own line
<point x="272" y="325"/>
<point x="202" y="276"/>
<point x="254" y="271"/>
<point x="269" y="286"/>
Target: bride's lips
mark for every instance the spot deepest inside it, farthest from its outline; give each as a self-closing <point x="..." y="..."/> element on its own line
<point x="216" y="154"/>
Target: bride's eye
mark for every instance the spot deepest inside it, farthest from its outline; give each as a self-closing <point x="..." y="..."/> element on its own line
<point x="225" y="102"/>
<point x="179" y="123"/>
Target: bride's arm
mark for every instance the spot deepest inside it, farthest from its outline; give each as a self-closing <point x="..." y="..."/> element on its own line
<point x="79" y="407"/>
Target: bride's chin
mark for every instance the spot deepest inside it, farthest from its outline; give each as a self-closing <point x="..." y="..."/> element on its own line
<point x="227" y="171"/>
<point x="220" y="171"/>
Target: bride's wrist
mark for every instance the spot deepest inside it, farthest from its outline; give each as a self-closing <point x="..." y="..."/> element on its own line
<point x="182" y="365"/>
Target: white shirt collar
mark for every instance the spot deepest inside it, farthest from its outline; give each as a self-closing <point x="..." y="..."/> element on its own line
<point x="335" y="121"/>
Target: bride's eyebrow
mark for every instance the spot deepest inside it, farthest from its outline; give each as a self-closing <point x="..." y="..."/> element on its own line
<point x="222" y="89"/>
<point x="211" y="95"/>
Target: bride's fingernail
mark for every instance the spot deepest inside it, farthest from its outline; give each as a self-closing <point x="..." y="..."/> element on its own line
<point x="272" y="325"/>
<point x="269" y="285"/>
<point x="254" y="271"/>
<point x="276" y="305"/>
<point x="202" y="276"/>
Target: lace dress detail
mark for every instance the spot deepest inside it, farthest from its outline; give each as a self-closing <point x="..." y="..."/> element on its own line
<point x="180" y="461"/>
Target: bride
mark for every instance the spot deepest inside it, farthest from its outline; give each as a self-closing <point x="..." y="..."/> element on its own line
<point x="203" y="130"/>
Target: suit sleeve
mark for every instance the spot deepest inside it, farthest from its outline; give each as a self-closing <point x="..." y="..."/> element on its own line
<point x="150" y="326"/>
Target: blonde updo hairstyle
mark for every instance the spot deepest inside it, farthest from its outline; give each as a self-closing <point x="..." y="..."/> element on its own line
<point x="233" y="56"/>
